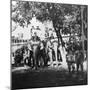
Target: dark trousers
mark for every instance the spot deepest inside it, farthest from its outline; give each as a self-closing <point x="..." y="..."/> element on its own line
<point x="79" y="65"/>
<point x="70" y="66"/>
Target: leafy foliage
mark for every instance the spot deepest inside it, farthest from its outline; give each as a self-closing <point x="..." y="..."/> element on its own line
<point x="57" y="13"/>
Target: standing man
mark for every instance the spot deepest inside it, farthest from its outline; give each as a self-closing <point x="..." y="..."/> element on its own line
<point x="79" y="59"/>
<point x="70" y="58"/>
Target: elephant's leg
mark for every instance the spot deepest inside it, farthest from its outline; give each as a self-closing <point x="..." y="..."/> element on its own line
<point x="59" y="55"/>
<point x="38" y="58"/>
<point x="73" y="67"/>
<point x="50" y="56"/>
<point x="41" y="58"/>
<point x="35" y="56"/>
<point x="77" y="67"/>
<point x="30" y="58"/>
<point x="56" y="56"/>
<point x="45" y="60"/>
<point x="46" y="57"/>
<point x="16" y="61"/>
<point x="81" y="67"/>
<point x="69" y="67"/>
<point x="25" y="61"/>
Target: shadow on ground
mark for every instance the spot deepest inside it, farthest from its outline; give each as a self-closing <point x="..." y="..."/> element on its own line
<point x="46" y="77"/>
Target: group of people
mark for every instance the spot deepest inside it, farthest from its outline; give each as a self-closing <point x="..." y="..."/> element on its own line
<point x="41" y="53"/>
<point x="75" y="58"/>
<point x="76" y="55"/>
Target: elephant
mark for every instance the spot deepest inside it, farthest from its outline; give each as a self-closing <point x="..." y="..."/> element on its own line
<point x="49" y="51"/>
<point x="19" y="53"/>
<point x="56" y="52"/>
<point x="36" y="51"/>
<point x="55" y="48"/>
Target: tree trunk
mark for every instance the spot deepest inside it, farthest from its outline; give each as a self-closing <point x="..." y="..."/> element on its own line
<point x="59" y="36"/>
<point x="57" y="30"/>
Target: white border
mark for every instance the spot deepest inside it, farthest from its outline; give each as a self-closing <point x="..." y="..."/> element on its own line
<point x="85" y="2"/>
<point x="5" y="43"/>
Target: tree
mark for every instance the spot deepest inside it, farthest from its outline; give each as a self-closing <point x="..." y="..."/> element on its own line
<point x="24" y="11"/>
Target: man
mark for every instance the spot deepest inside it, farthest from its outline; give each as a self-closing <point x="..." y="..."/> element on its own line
<point x="51" y="37"/>
<point x="70" y="59"/>
<point x="79" y="59"/>
<point x="35" y="37"/>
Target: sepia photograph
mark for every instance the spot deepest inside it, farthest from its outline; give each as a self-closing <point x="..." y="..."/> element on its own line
<point x="49" y="44"/>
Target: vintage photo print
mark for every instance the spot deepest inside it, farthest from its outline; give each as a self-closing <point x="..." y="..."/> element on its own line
<point x="48" y="44"/>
